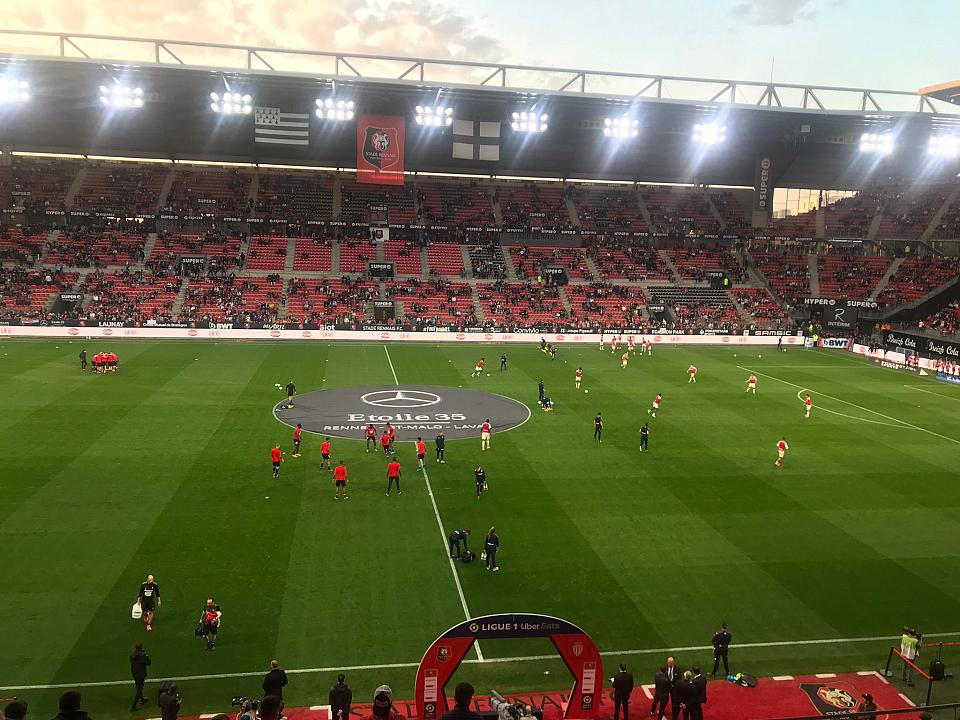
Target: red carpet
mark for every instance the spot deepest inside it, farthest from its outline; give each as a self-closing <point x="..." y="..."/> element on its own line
<point x="828" y="695"/>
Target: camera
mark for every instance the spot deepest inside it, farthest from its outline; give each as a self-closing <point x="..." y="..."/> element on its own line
<point x="245" y="703"/>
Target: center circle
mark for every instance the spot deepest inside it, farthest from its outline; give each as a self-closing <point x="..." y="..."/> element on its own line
<point x="414" y="410"/>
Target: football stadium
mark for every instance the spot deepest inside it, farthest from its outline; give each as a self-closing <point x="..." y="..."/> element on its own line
<point x="496" y="385"/>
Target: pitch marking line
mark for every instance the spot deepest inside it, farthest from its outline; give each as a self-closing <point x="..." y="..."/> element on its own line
<point x="930" y="392"/>
<point x="903" y="426"/>
<point x="443" y="534"/>
<point x="527" y="658"/>
<point x="902" y="423"/>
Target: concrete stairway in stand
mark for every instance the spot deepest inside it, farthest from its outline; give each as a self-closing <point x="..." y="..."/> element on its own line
<point x="882" y="283"/>
<point x="165" y="188"/>
<point x="665" y="259"/>
<point x="938" y="215"/>
<point x="75" y="187"/>
<point x="814" y="271"/>
<point x="715" y="212"/>
<point x="291" y="255"/>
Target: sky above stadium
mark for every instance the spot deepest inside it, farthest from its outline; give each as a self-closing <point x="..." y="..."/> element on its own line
<point x="861" y="43"/>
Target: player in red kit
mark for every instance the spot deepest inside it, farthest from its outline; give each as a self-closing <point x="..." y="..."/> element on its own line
<point x="296" y="440"/>
<point x="782" y="448"/>
<point x="393" y="476"/>
<point x="693" y="374"/>
<point x="325" y="453"/>
<point x="392" y="434"/>
<point x="385" y="443"/>
<point x="652" y="412"/>
<point x="752" y="384"/>
<point x="624" y="359"/>
<point x="485" y="435"/>
<point x="649" y="348"/>
<point x="371" y="435"/>
<point x="807" y="405"/>
<point x="340" y="481"/>
<point x="276" y="456"/>
<point x="579" y="377"/>
<point x="478" y="370"/>
<point x="613" y="344"/>
<point x="421" y="452"/>
<point x="630" y="344"/>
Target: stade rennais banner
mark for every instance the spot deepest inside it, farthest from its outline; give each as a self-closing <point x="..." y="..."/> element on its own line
<point x="380" y="141"/>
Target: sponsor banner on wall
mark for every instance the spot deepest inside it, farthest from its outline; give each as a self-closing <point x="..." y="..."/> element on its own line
<point x="922" y="345"/>
<point x="380" y="140"/>
<point x="763" y="186"/>
<point x="835" y="343"/>
<point x="226" y="331"/>
<point x="842" y="302"/>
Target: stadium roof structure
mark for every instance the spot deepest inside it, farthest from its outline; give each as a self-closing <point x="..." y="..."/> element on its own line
<point x="808" y="135"/>
<point x="464" y="73"/>
<point x="945" y="92"/>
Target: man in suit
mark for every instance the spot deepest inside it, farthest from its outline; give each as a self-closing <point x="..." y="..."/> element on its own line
<point x="622" y="687"/>
<point x="685" y="697"/>
<point x="274" y="681"/>
<point x="662" y="687"/>
<point x="700" y="682"/>
<point x="721" y="648"/>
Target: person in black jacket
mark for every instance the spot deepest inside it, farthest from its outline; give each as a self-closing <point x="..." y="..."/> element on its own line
<point x="139" y="660"/>
<point x="622" y="687"/>
<point x="70" y="707"/>
<point x="721" y="648"/>
<point x="685" y="697"/>
<point x="441" y="443"/>
<point x="339" y="699"/>
<point x="274" y="681"/>
<point x="700" y="682"/>
<point x="462" y="710"/>
<point x="662" y="689"/>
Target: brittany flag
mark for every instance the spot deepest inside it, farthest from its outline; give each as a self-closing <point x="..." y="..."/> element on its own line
<point x="280" y="128"/>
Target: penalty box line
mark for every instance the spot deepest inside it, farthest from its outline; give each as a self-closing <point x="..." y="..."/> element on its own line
<point x="525" y="658"/>
<point x="443" y="533"/>
<point x="902" y="423"/>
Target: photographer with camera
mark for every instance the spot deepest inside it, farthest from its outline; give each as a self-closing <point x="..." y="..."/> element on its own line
<point x="169" y="700"/>
<point x="505" y="709"/>
<point x="248" y="708"/>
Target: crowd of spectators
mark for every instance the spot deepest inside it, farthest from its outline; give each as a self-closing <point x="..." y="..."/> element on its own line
<point x="622" y="258"/>
<point x="945" y="321"/>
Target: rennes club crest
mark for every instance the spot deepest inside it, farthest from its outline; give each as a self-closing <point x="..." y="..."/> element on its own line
<point x="380" y="147"/>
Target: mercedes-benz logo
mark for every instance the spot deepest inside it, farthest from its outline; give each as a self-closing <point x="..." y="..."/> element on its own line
<point x="400" y="398"/>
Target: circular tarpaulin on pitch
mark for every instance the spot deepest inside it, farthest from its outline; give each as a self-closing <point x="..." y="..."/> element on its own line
<point x="413" y="409"/>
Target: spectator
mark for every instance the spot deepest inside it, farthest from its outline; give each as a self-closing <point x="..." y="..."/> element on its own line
<point x="17" y="710"/>
<point x="662" y="688"/>
<point x="383" y="705"/>
<point x="622" y="687"/>
<point x="685" y="696"/>
<point x="339" y="699"/>
<point x="169" y="706"/>
<point x="463" y="696"/>
<point x="70" y="707"/>
<point x="275" y="680"/>
<point x="271" y="708"/>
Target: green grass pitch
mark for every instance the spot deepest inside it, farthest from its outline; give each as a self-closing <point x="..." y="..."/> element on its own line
<point x="164" y="469"/>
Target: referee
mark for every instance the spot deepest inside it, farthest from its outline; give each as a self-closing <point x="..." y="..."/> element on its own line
<point x="644" y="437"/>
<point x="598" y="427"/>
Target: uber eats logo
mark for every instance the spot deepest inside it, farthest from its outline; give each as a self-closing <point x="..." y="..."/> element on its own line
<point x="414" y="410"/>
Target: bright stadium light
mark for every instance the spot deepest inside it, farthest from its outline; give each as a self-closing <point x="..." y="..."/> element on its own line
<point x="231" y="103"/>
<point x="429" y="116"/>
<point x="709" y="133"/>
<point x="529" y="121"/>
<point x="621" y="128"/>
<point x="14" y="91"/>
<point x="121" y="97"/>
<point x="881" y="143"/>
<point x="944" y="146"/>
<point x="336" y="110"/>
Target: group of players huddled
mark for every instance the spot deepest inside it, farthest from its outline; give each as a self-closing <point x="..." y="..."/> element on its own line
<point x="102" y="362"/>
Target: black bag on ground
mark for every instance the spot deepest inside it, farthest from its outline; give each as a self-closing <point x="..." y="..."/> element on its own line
<point x="467" y="557"/>
<point x="938" y="671"/>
